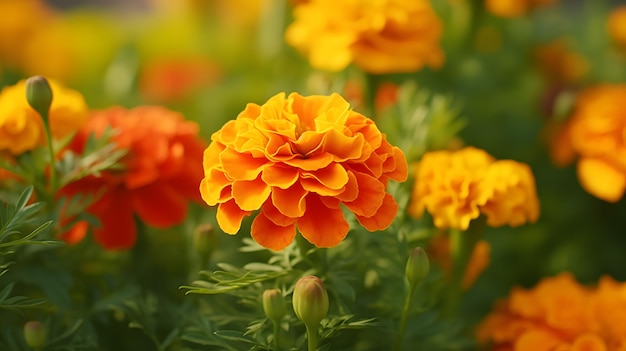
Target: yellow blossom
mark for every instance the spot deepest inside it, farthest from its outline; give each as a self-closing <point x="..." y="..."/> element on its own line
<point x="21" y="128"/>
<point x="456" y="187"/>
<point x="378" y="36"/>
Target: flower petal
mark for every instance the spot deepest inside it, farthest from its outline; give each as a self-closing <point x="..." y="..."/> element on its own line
<point x="601" y="179"/>
<point x="159" y="205"/>
<point x="322" y="226"/>
<point x="383" y="217"/>
<point x="280" y="176"/>
<point x="290" y="202"/>
<point x="229" y="216"/>
<point x="250" y="195"/>
<point x="328" y="181"/>
<point x="269" y="235"/>
<point x="370" y="198"/>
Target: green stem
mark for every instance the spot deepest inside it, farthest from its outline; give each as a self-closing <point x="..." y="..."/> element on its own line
<point x="53" y="176"/>
<point x="276" y="335"/>
<point x="461" y="247"/>
<point x="311" y="335"/>
<point x="404" y="318"/>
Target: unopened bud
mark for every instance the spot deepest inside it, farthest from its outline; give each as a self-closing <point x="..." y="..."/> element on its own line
<point x="34" y="334"/>
<point x="39" y="95"/>
<point x="204" y="240"/>
<point x="310" y="300"/>
<point x="417" y="266"/>
<point x="274" y="304"/>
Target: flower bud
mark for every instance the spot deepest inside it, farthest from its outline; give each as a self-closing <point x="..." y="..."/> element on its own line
<point x="274" y="304"/>
<point x="204" y="240"/>
<point x="417" y="266"/>
<point x="39" y="95"/>
<point x="310" y="300"/>
<point x="34" y="334"/>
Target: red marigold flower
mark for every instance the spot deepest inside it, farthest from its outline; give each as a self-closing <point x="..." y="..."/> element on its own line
<point x="162" y="172"/>
<point x="298" y="159"/>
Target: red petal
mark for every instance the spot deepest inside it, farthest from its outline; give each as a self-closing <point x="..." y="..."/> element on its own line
<point x="159" y="205"/>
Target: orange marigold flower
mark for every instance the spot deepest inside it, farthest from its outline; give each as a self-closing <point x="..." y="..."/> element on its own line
<point x="616" y="25"/>
<point x="559" y="314"/>
<point x="297" y="159"/>
<point x="162" y="172"/>
<point x="387" y="36"/>
<point x="559" y="64"/>
<point x="595" y="134"/>
<point x="514" y="8"/>
<point x="456" y="187"/>
<point x="22" y="129"/>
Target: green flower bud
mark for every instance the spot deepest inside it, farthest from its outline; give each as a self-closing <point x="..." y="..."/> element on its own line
<point x="274" y="304"/>
<point x="417" y="266"/>
<point x="310" y="300"/>
<point x="204" y="240"/>
<point x="34" y="334"/>
<point x="39" y="95"/>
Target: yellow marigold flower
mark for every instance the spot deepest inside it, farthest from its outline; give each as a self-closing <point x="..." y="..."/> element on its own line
<point x="21" y="128"/>
<point x="456" y="187"/>
<point x="514" y="8"/>
<point x="559" y="314"/>
<point x="616" y="25"/>
<point x="595" y="134"/>
<point x="383" y="36"/>
<point x="297" y="159"/>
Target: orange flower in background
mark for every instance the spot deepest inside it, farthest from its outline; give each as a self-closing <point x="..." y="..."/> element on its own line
<point x="594" y="134"/>
<point x="388" y="36"/>
<point x="171" y="80"/>
<point x="439" y="251"/>
<point x="21" y="128"/>
<point x="161" y="175"/>
<point x="559" y="314"/>
<point x="559" y="64"/>
<point x="456" y="187"/>
<point x="297" y="159"/>
<point x="616" y="25"/>
<point x="514" y="8"/>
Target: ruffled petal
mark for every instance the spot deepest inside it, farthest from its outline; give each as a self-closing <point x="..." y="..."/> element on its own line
<point x="322" y="226"/>
<point x="290" y="202"/>
<point x="370" y="198"/>
<point x="269" y="235"/>
<point x="229" y="217"/>
<point x="250" y="195"/>
<point x="601" y="180"/>
<point x="383" y="217"/>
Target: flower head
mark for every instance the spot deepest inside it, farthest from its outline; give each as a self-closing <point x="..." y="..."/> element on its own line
<point x="594" y="134"/>
<point x="162" y="170"/>
<point x="559" y="314"/>
<point x="297" y="159"/>
<point x="456" y="187"/>
<point x="22" y="129"/>
<point x="616" y="25"/>
<point x="377" y="36"/>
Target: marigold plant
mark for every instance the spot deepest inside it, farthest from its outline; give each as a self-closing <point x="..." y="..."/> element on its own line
<point x="559" y="314"/>
<point x="594" y="134"/>
<point x="297" y="159"/>
<point x="456" y="187"/>
<point x="22" y="129"/>
<point x="377" y="36"/>
<point x="162" y="170"/>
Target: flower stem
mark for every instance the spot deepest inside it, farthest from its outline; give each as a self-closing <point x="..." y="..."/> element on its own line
<point x="311" y="335"/>
<point x="405" y="317"/>
<point x="276" y="335"/>
<point x="461" y="246"/>
<point x="53" y="176"/>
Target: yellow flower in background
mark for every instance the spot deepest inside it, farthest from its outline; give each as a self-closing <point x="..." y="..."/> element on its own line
<point x="594" y="134"/>
<point x="21" y="128"/>
<point x="616" y="25"/>
<point x="456" y="187"/>
<point x="378" y="36"/>
<point x="299" y="160"/>
<point x="514" y="8"/>
<point x="559" y="314"/>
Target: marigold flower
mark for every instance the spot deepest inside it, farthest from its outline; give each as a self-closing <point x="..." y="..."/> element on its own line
<point x="386" y="36"/>
<point x="162" y="172"/>
<point x="616" y="25"/>
<point x="594" y="134"/>
<point x="297" y="159"/>
<point x="559" y="64"/>
<point x="559" y="314"/>
<point x="514" y="8"/>
<point x="456" y="187"/>
<point x="22" y="129"/>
